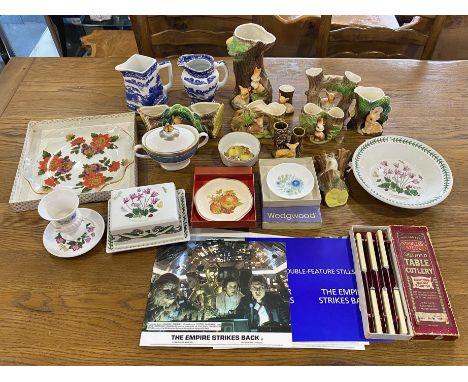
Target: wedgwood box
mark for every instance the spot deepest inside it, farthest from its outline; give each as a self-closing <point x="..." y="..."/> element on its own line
<point x="423" y="310"/>
<point x="293" y="217"/>
<point x="143" y="208"/>
<point x="269" y="199"/>
<point x="203" y="175"/>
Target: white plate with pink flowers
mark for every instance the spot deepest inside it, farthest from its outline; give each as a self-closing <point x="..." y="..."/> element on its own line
<point x="402" y="172"/>
<point x="58" y="246"/>
<point x="143" y="208"/>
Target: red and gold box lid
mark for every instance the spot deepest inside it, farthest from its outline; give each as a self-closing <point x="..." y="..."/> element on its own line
<point x="429" y="306"/>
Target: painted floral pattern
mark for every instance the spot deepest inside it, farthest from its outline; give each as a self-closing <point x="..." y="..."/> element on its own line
<point x="99" y="143"/>
<point x="289" y="184"/>
<point x="143" y="203"/>
<point x="84" y="163"/>
<point x="77" y="244"/>
<point x="224" y="202"/>
<point x="57" y="166"/>
<point x="94" y="176"/>
<point x="399" y="178"/>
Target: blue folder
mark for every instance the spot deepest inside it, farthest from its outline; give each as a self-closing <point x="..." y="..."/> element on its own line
<point x="324" y="298"/>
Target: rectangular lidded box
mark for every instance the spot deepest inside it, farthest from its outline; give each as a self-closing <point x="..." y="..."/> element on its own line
<point x="143" y="208"/>
<point x="429" y="306"/>
<point x="202" y="175"/>
<point x="425" y="303"/>
<point x="364" y="299"/>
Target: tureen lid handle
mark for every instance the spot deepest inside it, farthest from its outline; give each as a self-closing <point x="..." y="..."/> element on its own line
<point x="169" y="132"/>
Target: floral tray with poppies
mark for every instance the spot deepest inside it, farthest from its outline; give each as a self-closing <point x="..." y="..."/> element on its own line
<point x="90" y="155"/>
<point x="85" y="160"/>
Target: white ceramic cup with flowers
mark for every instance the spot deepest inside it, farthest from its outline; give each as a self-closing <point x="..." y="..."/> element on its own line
<point x="60" y="207"/>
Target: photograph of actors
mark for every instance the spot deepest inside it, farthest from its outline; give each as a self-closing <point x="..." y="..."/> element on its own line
<point x="264" y="309"/>
<point x="229" y="298"/>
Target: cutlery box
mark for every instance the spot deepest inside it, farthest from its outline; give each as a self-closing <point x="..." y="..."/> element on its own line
<point x="409" y="291"/>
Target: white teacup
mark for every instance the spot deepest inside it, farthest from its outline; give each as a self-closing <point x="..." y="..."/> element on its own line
<point x="60" y="207"/>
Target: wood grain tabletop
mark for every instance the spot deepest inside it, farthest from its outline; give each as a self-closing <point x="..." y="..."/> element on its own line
<point x="89" y="310"/>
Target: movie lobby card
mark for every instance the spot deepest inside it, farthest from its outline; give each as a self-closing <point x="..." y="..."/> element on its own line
<point x="219" y="293"/>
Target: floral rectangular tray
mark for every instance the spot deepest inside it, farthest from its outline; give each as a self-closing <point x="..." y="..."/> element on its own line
<point x="90" y="155"/>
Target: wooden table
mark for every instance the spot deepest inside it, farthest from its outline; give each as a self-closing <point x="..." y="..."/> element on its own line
<point x="89" y="310"/>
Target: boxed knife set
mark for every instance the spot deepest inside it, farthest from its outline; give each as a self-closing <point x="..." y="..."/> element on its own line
<point x="401" y="291"/>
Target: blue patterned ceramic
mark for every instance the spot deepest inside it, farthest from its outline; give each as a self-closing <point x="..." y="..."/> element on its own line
<point x="290" y="180"/>
<point x="200" y="76"/>
<point x="171" y="146"/>
<point x="143" y="86"/>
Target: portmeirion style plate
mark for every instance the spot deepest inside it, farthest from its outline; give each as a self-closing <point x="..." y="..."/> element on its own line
<point x="223" y="199"/>
<point x="290" y="180"/>
<point x="402" y="172"/>
<point x="91" y="155"/>
<point x="85" y="160"/>
<point x="58" y="246"/>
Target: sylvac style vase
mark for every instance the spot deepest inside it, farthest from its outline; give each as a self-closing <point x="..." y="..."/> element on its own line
<point x="211" y="116"/>
<point x="331" y="90"/>
<point x="247" y="47"/>
<point x="200" y="76"/>
<point x="143" y="86"/>
<point x="372" y="109"/>
<point x="321" y="126"/>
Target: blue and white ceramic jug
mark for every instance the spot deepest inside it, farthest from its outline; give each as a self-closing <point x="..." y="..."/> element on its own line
<point x="143" y="86"/>
<point x="200" y="76"/>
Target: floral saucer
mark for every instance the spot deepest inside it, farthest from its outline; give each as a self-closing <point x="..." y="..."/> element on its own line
<point x="402" y="172"/>
<point x="290" y="180"/>
<point x="223" y="199"/>
<point x="58" y="246"/>
<point x="86" y="160"/>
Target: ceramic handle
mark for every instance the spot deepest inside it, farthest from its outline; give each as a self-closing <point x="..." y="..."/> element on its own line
<point x="168" y="65"/>
<point x="136" y="148"/>
<point x="218" y="64"/>
<point x="203" y="143"/>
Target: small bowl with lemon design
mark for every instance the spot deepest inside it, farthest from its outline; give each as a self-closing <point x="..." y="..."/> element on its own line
<point x="239" y="149"/>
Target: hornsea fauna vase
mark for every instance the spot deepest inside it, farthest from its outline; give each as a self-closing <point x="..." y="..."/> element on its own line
<point x="329" y="90"/>
<point x="201" y="77"/>
<point x="247" y="47"/>
<point x="143" y="86"/>
<point x="372" y="109"/>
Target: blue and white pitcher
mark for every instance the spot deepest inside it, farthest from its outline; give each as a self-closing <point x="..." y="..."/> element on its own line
<point x="200" y="76"/>
<point x="143" y="86"/>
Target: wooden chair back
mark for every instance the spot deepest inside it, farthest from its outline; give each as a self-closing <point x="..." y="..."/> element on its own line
<point x="295" y="35"/>
<point x="414" y="40"/>
<point x="166" y="36"/>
